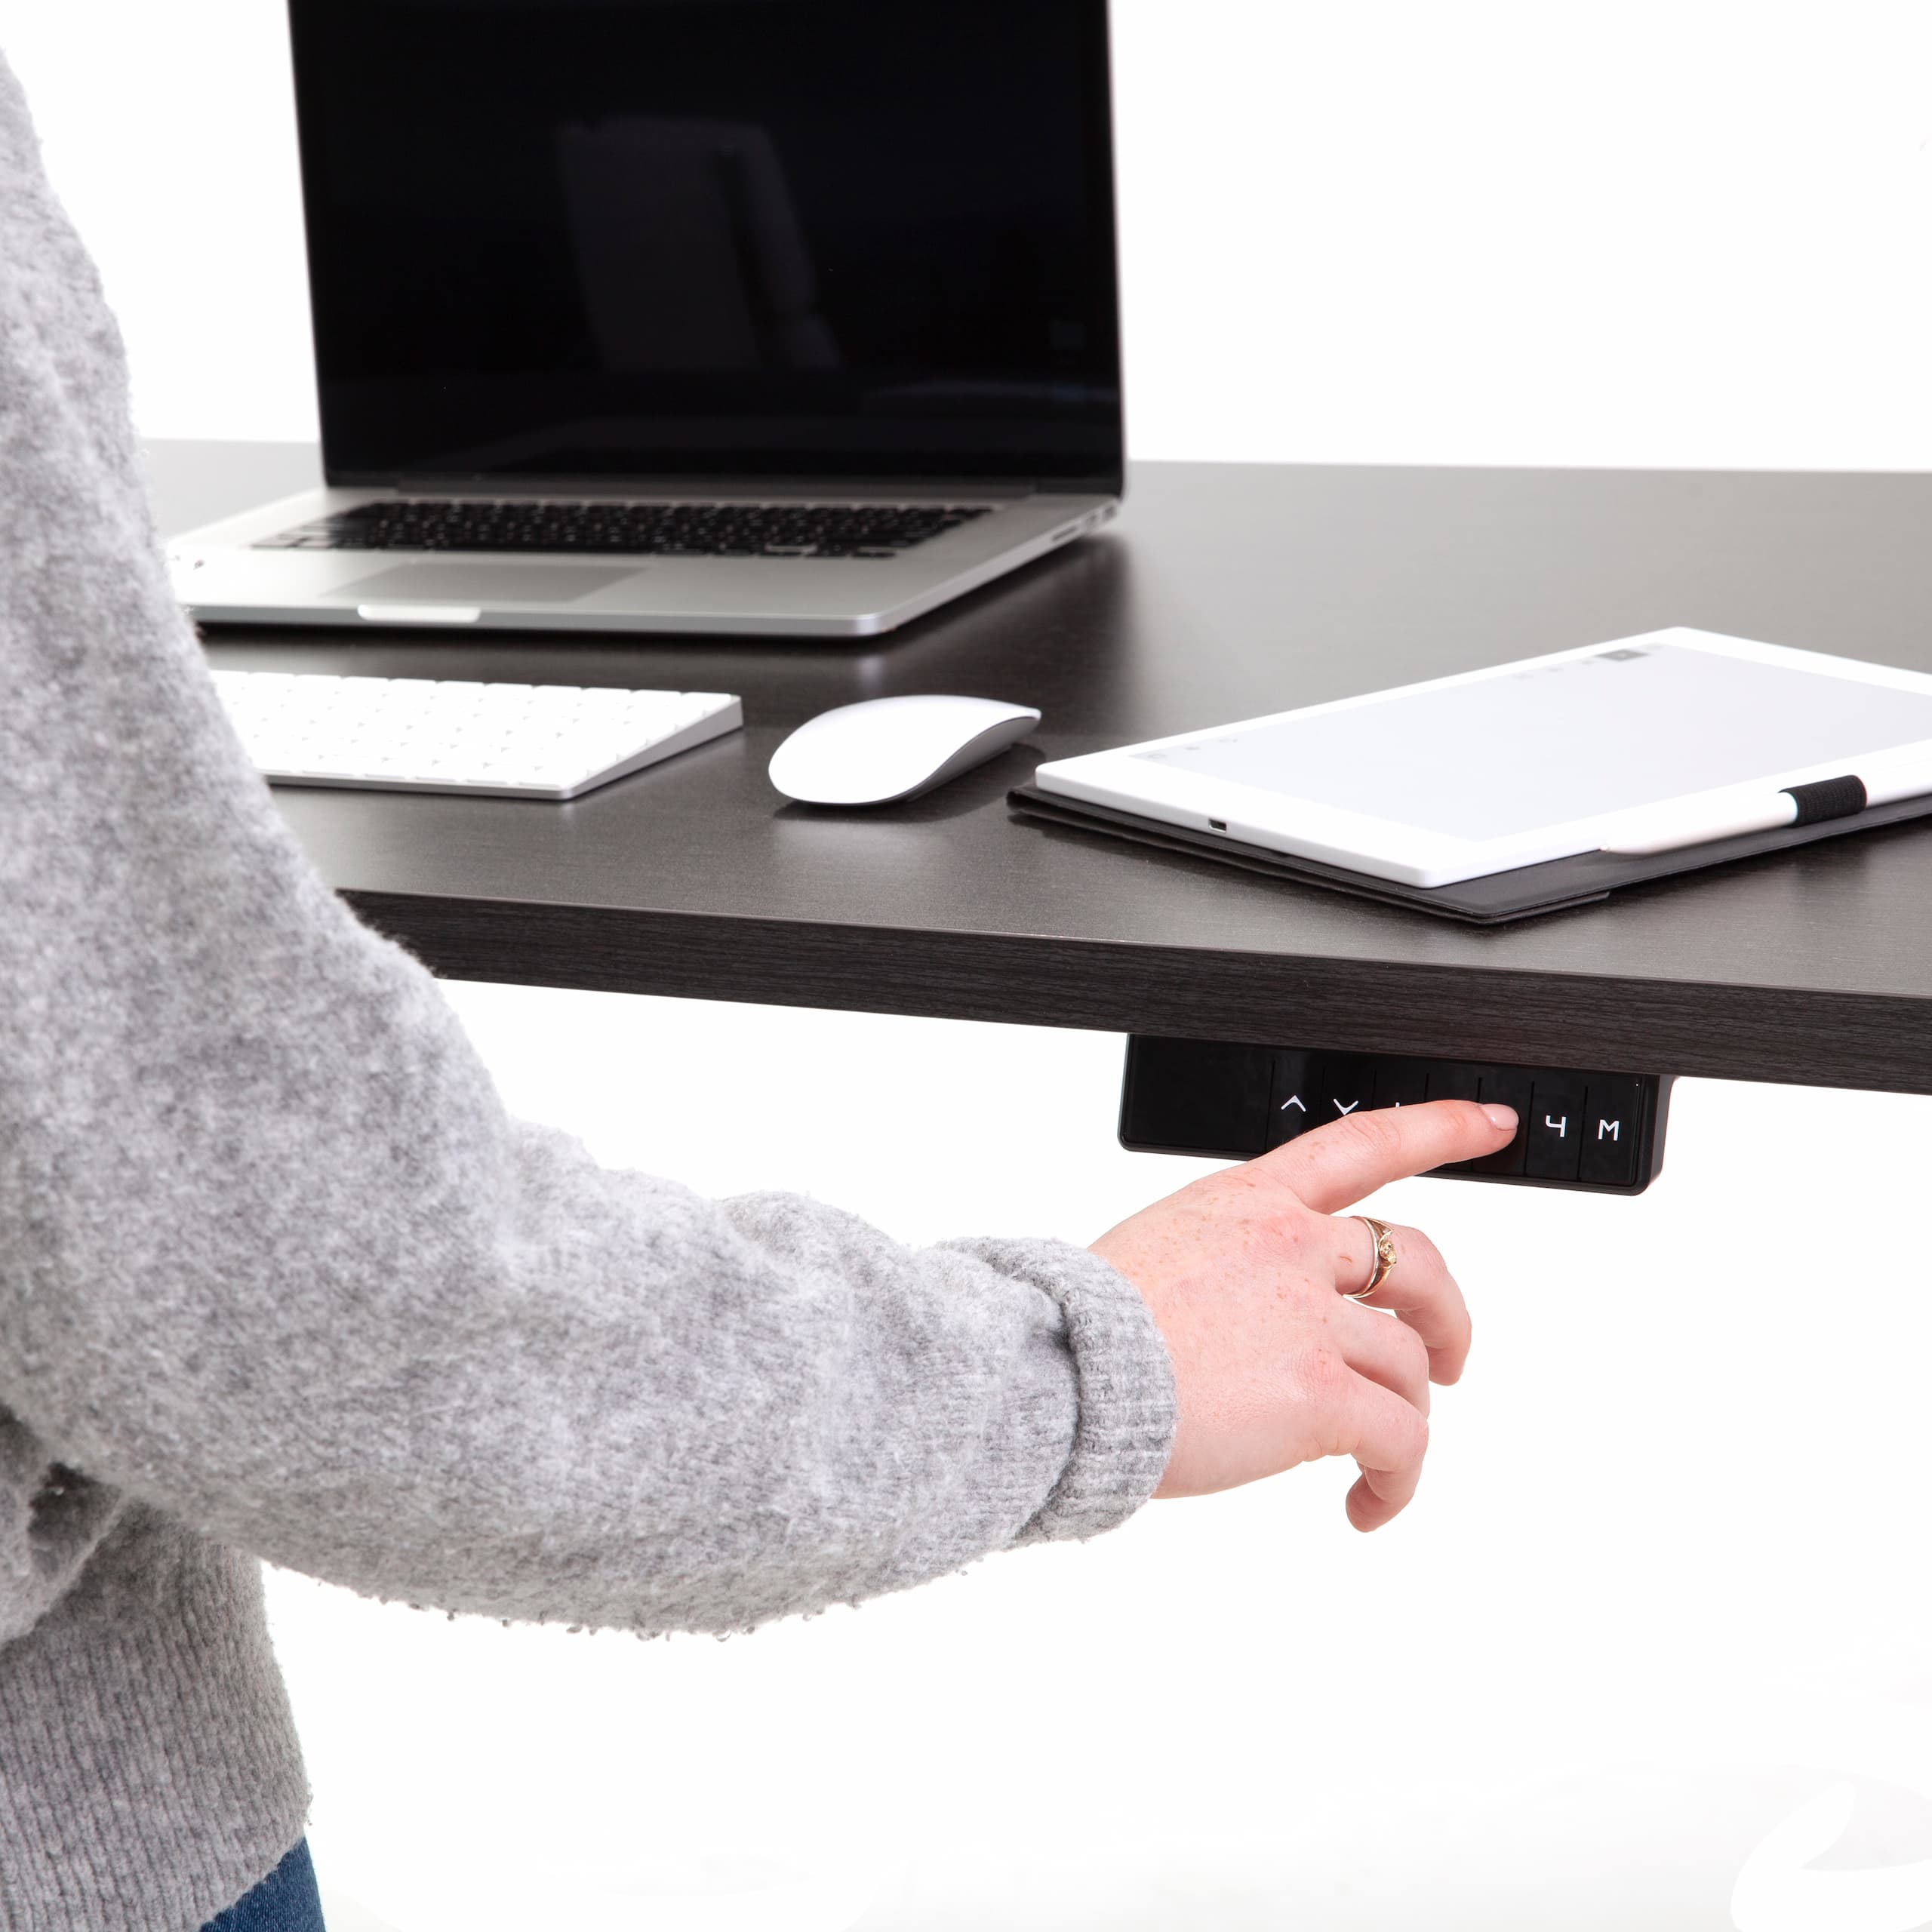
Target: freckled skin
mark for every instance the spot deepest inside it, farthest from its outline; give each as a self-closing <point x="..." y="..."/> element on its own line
<point x="1247" y="1274"/>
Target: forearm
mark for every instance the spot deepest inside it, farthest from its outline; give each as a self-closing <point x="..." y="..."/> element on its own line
<point x="605" y="1400"/>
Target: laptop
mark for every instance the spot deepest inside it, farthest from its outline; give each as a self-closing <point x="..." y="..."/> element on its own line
<point x="789" y="317"/>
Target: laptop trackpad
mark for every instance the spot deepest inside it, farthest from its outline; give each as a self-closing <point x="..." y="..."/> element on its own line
<point x="481" y="583"/>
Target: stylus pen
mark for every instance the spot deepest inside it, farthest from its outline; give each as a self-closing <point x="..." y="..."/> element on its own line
<point x="1797" y="805"/>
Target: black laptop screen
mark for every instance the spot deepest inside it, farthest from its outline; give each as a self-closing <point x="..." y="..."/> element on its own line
<point x="585" y="238"/>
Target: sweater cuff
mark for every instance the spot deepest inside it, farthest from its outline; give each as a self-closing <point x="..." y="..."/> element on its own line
<point x="1124" y="1378"/>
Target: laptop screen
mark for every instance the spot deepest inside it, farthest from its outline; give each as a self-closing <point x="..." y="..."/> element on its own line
<point x="605" y="238"/>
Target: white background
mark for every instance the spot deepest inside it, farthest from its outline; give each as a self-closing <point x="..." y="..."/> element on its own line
<point x="1665" y="1579"/>
<point x="1686" y="232"/>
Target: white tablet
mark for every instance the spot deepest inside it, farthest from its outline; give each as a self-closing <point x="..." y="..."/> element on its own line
<point x="1541" y="759"/>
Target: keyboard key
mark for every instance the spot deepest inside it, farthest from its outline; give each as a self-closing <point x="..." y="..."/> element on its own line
<point x="483" y="525"/>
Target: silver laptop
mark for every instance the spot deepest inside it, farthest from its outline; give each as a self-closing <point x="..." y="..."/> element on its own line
<point x="797" y="317"/>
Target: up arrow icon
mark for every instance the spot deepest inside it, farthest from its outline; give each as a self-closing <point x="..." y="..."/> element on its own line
<point x="1292" y="1100"/>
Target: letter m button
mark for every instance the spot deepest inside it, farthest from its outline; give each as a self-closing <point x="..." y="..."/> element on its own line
<point x="1613" y="1120"/>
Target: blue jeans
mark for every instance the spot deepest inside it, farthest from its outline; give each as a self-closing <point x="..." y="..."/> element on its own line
<point x="285" y="1901"/>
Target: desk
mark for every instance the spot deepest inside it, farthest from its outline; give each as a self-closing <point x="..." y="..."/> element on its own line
<point x="1224" y="591"/>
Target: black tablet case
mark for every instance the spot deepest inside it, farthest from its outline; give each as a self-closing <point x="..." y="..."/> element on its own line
<point x="1553" y="886"/>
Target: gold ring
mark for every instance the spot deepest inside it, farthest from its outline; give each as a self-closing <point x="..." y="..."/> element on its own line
<point x="1383" y="1237"/>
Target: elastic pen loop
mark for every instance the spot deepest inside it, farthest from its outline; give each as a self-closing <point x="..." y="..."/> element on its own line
<point x="1829" y="797"/>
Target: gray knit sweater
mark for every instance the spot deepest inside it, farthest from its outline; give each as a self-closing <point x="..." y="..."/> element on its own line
<point x="278" y="1279"/>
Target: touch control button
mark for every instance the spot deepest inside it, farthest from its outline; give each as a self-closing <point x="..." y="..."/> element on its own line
<point x="1450" y="1080"/>
<point x="1401" y="1083"/>
<point x="1294" y="1097"/>
<point x="1612" y="1120"/>
<point x="1345" y="1084"/>
<point x="1508" y="1088"/>
<point x="1556" y="1129"/>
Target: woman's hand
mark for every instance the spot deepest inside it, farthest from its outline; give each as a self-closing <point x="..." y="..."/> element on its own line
<point x="1248" y="1274"/>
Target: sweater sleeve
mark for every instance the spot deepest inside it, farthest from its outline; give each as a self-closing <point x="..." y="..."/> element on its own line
<point x="272" y="1258"/>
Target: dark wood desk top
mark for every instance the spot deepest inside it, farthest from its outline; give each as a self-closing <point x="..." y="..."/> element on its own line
<point x="1225" y="592"/>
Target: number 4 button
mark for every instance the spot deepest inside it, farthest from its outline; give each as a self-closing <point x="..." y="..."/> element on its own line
<point x="1556" y="1128"/>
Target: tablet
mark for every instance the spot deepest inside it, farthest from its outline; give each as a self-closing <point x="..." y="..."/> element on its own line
<point x="1463" y="776"/>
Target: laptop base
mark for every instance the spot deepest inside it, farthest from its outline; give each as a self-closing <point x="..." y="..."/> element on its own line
<point x="223" y="575"/>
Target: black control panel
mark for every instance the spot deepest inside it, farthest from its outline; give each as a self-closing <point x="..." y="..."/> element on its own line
<point x="1601" y="1131"/>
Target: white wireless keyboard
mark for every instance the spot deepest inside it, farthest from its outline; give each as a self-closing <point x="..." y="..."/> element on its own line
<point x="419" y="734"/>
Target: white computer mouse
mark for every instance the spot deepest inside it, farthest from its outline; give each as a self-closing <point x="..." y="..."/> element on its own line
<point x="892" y="748"/>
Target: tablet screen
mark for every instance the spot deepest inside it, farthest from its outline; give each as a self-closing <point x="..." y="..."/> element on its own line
<point x="1622" y="728"/>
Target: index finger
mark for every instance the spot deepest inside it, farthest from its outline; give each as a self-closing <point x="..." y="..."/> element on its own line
<point x="1335" y="1166"/>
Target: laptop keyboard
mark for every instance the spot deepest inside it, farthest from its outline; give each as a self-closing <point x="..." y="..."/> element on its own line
<point x="634" y="530"/>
